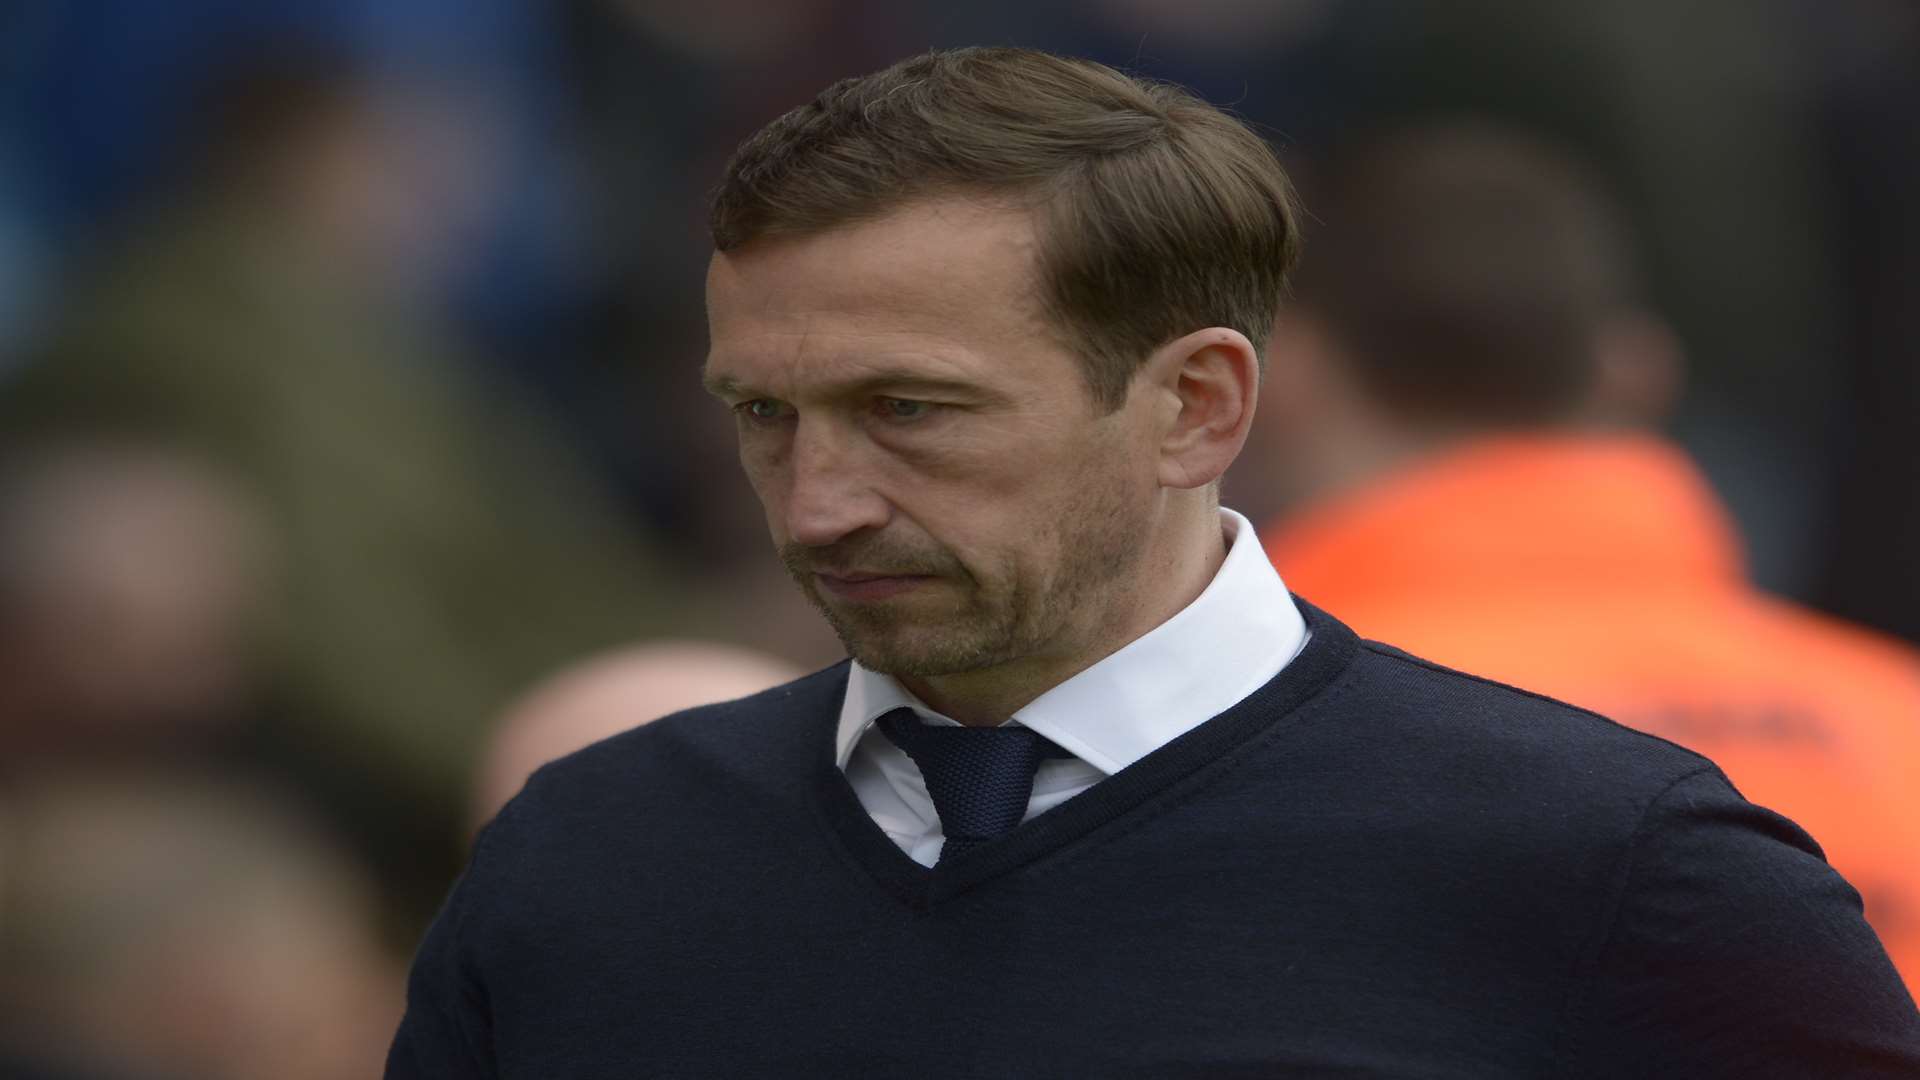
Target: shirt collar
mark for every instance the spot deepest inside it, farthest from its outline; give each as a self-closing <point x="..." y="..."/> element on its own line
<point x="1233" y="638"/>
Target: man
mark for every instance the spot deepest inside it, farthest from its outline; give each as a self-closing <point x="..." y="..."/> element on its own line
<point x="1457" y="410"/>
<point x="1093" y="796"/>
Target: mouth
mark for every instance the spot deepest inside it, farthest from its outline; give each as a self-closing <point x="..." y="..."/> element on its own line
<point x="864" y="587"/>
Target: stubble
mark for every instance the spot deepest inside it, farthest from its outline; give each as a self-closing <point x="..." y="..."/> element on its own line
<point x="1049" y="598"/>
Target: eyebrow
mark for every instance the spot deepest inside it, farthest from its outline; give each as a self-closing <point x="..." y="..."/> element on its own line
<point x="907" y="383"/>
<point x="721" y="386"/>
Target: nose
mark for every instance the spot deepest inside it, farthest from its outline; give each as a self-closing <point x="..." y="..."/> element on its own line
<point x="830" y="494"/>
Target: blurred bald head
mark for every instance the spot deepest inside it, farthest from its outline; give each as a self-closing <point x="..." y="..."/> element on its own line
<point x="609" y="694"/>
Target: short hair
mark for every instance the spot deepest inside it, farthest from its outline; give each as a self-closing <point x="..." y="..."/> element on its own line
<point x="1158" y="214"/>
<point x="1463" y="270"/>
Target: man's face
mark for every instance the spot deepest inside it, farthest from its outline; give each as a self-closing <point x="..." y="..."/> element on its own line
<point x="935" y="472"/>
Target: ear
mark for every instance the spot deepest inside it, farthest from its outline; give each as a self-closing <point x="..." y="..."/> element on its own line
<point x="1208" y="383"/>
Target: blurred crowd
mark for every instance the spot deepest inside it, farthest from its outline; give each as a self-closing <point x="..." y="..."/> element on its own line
<point x="353" y="459"/>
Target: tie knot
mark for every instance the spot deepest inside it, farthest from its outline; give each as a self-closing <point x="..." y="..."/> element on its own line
<point x="979" y="778"/>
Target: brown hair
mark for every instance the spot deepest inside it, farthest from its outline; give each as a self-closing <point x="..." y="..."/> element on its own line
<point x="1158" y="214"/>
<point x="1465" y="271"/>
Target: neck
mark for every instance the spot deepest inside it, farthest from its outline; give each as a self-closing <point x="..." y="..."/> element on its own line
<point x="1171" y="574"/>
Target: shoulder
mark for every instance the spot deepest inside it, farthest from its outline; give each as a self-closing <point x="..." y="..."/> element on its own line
<point x="768" y="738"/>
<point x="1476" y="723"/>
<point x="653" y="798"/>
<point x="1727" y="946"/>
<point x="1493" y="775"/>
<point x="1693" y="901"/>
<point x="1452" y="747"/>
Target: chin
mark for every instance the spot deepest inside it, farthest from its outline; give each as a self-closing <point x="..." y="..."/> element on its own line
<point x="915" y="656"/>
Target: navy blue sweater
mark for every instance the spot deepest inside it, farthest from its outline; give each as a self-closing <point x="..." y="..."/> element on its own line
<point x="1371" y="867"/>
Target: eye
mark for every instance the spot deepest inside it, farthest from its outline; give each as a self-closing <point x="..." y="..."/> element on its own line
<point x="904" y="408"/>
<point x="761" y="410"/>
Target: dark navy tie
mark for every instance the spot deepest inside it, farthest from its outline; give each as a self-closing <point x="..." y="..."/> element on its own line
<point x="979" y="778"/>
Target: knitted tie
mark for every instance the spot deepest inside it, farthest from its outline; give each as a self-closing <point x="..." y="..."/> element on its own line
<point x="979" y="778"/>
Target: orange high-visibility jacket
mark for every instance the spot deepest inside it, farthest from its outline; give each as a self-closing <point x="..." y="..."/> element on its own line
<point x="1602" y="571"/>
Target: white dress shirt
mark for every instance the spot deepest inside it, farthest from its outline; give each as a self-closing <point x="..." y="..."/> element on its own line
<point x="1233" y="639"/>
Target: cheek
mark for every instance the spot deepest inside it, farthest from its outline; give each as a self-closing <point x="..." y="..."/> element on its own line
<point x="998" y="516"/>
<point x="992" y="492"/>
<point x="767" y="480"/>
<point x="1110" y="484"/>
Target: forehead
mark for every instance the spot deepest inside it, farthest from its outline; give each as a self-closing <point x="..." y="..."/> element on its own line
<point x="950" y="284"/>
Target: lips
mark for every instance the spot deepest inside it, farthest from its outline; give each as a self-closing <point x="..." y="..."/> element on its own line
<point x="861" y="586"/>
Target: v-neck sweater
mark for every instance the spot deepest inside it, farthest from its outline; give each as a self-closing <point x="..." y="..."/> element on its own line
<point x="1370" y="867"/>
<point x="1229" y="641"/>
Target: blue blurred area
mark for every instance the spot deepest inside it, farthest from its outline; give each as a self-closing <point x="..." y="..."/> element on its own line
<point x="109" y="99"/>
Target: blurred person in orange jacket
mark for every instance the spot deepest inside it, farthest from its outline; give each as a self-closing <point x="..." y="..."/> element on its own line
<point x="1454" y="436"/>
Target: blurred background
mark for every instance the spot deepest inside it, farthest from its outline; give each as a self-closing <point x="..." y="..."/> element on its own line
<point x="348" y="394"/>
